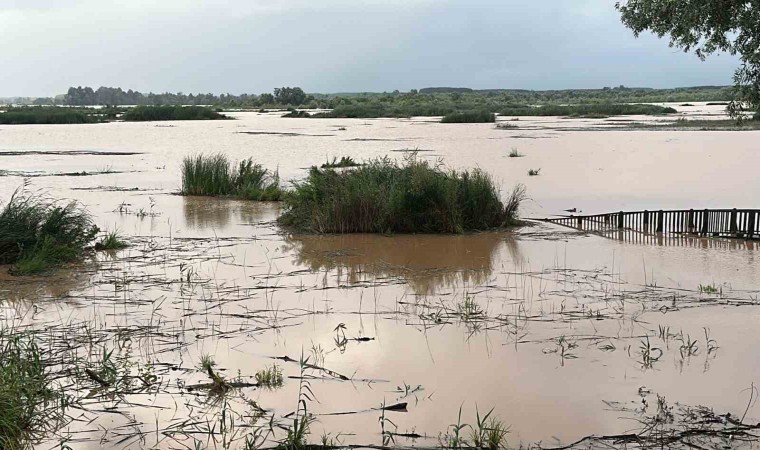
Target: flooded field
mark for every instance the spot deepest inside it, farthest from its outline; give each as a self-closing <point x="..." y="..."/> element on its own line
<point x="574" y="340"/>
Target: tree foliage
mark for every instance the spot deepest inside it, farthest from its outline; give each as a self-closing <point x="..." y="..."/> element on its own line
<point x="289" y="96"/>
<point x="706" y="27"/>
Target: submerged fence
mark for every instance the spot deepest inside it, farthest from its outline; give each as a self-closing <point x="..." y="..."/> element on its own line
<point x="733" y="223"/>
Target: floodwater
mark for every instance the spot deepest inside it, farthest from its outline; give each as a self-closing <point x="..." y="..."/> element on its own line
<point x="562" y="333"/>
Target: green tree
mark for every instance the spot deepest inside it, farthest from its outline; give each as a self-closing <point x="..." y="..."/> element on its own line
<point x="706" y="27"/>
<point x="290" y="96"/>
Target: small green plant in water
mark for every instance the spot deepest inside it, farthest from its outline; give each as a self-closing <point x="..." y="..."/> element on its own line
<point x="489" y="432"/>
<point x="514" y="153"/>
<point x="534" y="172"/>
<point x="469" y="310"/>
<point x="649" y="354"/>
<point x="270" y="377"/>
<point x="218" y="384"/>
<point x="111" y="241"/>
<point x="710" y="289"/>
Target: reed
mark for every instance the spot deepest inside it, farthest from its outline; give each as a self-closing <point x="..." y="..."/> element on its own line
<point x="385" y="196"/>
<point x="37" y="234"/>
<point x="215" y="175"/>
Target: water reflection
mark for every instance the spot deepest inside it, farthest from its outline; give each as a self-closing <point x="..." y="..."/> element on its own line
<point x="671" y="240"/>
<point x="56" y="285"/>
<point x="426" y="262"/>
<point x="209" y="213"/>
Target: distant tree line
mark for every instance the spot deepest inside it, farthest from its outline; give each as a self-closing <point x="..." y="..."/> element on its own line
<point x="425" y="102"/>
<point x="86" y="96"/>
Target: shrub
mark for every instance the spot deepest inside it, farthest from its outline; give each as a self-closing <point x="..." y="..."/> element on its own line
<point x="215" y="176"/>
<point x="37" y="234"/>
<point x="156" y="113"/>
<point x="383" y="196"/>
<point x="469" y="117"/>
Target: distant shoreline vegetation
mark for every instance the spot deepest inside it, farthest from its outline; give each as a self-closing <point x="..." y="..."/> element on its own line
<point x="434" y="101"/>
<point x="161" y="113"/>
<point x="594" y="110"/>
<point x="43" y="115"/>
<point x="469" y="117"/>
<point x="47" y="115"/>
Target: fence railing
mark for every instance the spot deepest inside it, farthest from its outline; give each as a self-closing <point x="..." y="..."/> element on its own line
<point x="734" y="223"/>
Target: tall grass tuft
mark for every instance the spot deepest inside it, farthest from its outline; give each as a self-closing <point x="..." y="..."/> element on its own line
<point x="384" y="196"/>
<point x="469" y="117"/>
<point x="37" y="234"/>
<point x="215" y="175"/>
<point x="111" y="241"/>
<point x="30" y="407"/>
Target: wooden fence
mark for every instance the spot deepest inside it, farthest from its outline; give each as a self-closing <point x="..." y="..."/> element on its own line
<point x="733" y="223"/>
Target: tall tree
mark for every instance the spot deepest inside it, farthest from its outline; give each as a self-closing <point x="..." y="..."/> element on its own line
<point x="706" y="27"/>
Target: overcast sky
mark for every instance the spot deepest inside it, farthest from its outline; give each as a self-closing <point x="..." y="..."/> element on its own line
<point x="253" y="46"/>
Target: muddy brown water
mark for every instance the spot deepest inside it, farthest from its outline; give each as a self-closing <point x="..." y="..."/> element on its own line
<point x="543" y="324"/>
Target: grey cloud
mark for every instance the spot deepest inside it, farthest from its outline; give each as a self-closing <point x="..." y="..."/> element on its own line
<point x="333" y="45"/>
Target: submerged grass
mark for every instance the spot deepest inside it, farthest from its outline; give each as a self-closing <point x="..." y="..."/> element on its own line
<point x="469" y="117"/>
<point x="37" y="234"/>
<point x="30" y="406"/>
<point x="215" y="175"/>
<point x="385" y="196"/>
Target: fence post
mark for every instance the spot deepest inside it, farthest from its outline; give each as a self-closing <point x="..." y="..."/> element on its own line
<point x="732" y="225"/>
<point x="660" y="220"/>
<point x="691" y="221"/>
<point x="620" y="219"/>
<point x="705" y="221"/>
<point x="646" y="220"/>
<point x="750" y="225"/>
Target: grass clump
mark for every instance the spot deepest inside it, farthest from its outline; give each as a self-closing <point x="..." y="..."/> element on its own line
<point x="385" y="196"/>
<point x="157" y="113"/>
<point x="270" y="377"/>
<point x="345" y="161"/>
<point x="111" y="241"/>
<point x="215" y="175"/>
<point x="534" y="172"/>
<point x="514" y="153"/>
<point x="30" y="406"/>
<point x="469" y="117"/>
<point x="37" y="235"/>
